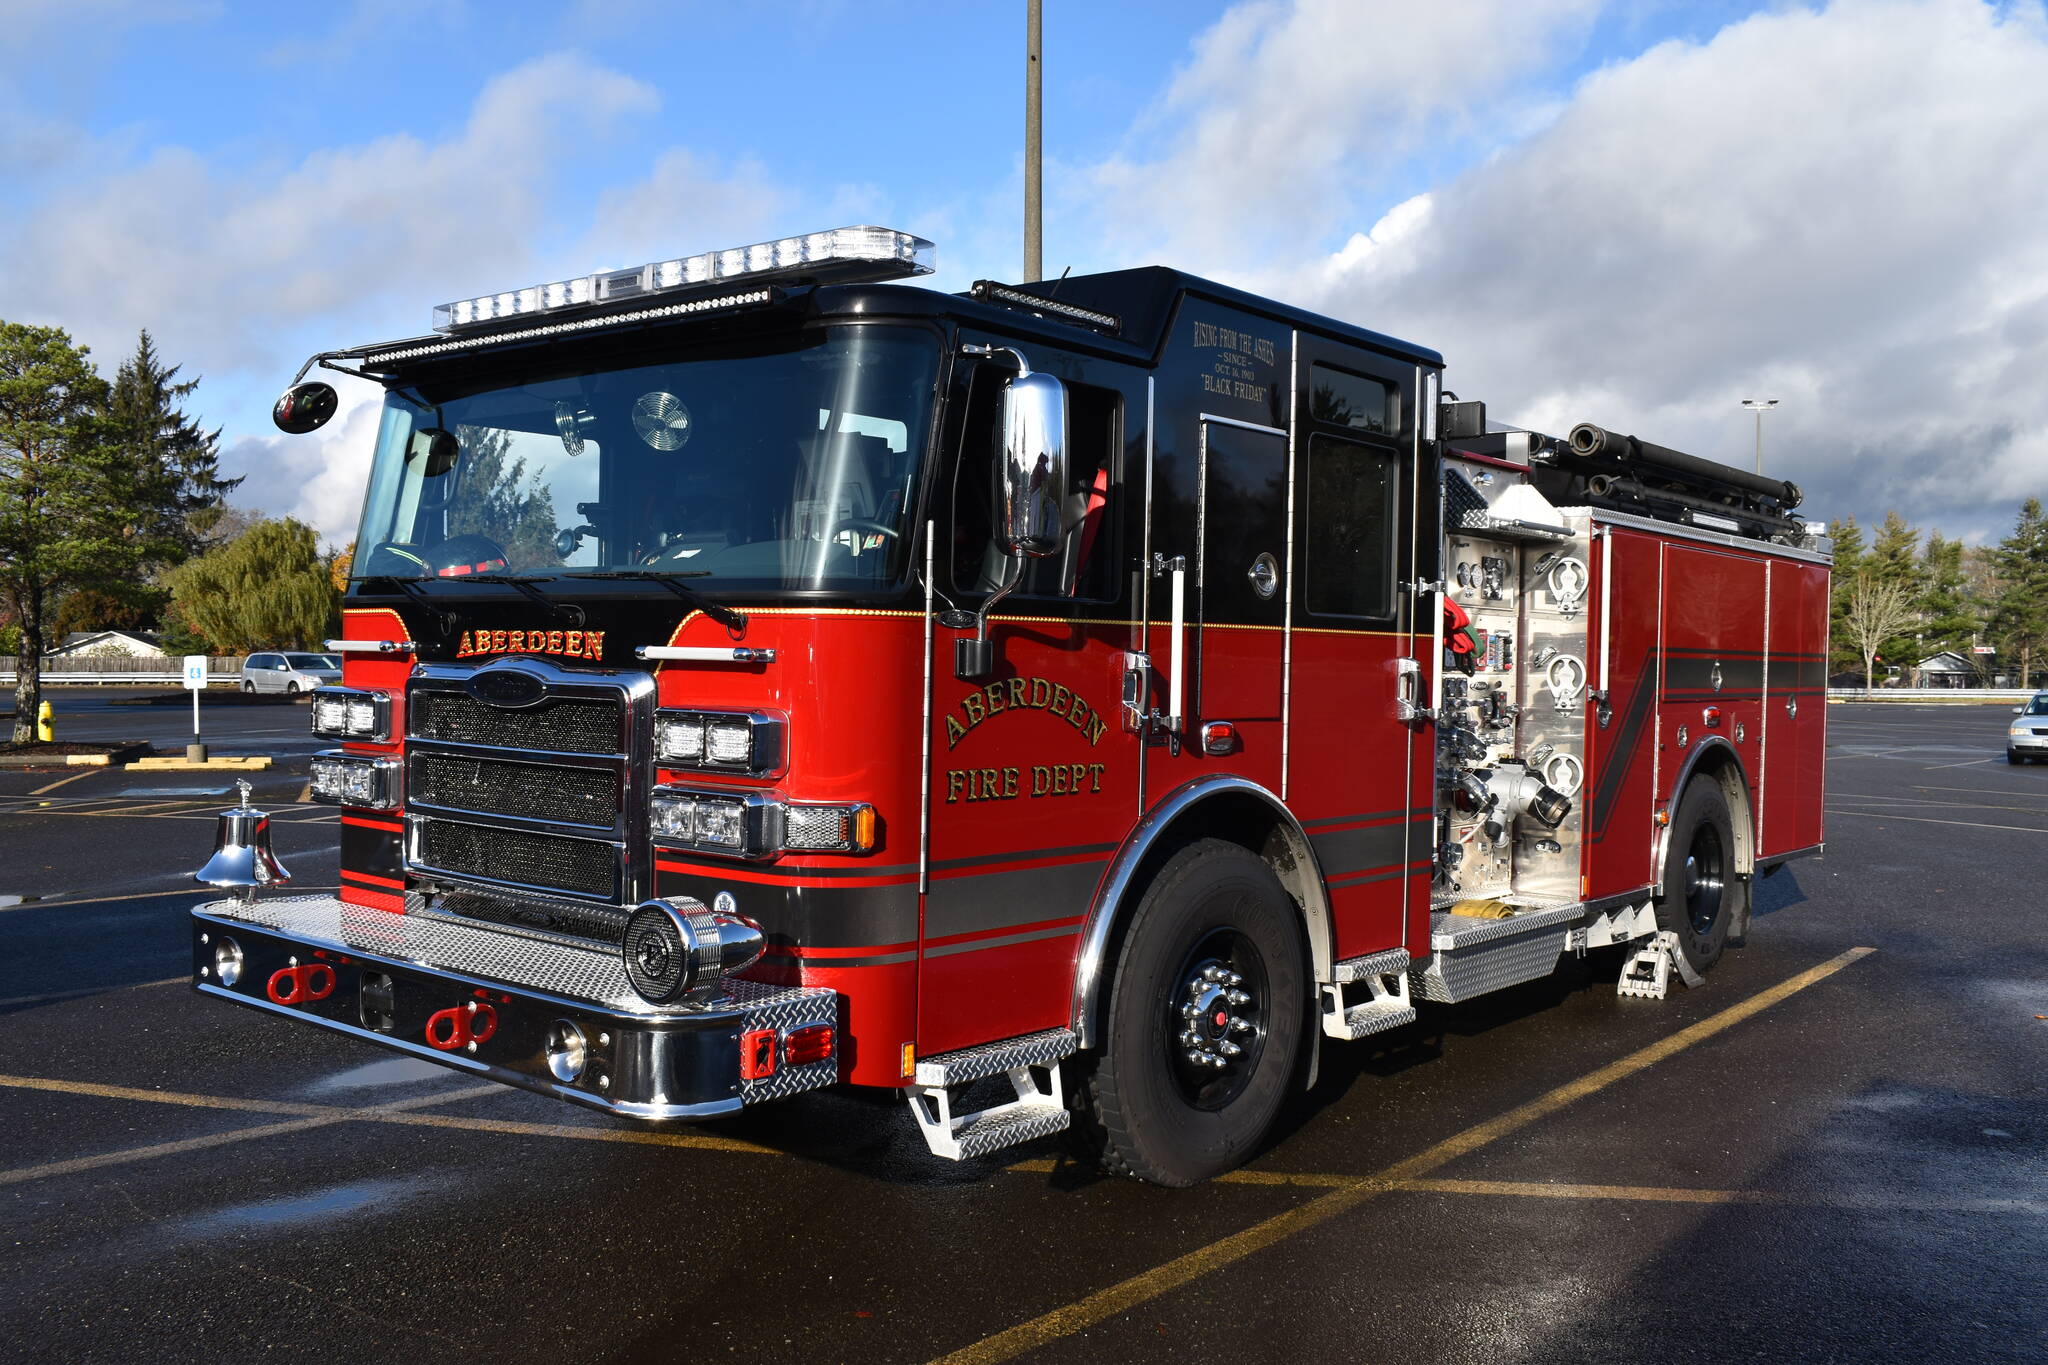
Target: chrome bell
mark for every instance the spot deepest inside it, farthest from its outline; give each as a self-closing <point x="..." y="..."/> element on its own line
<point x="241" y="851"/>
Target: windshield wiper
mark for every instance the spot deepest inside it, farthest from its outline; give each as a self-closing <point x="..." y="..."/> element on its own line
<point x="671" y="579"/>
<point x="567" y="611"/>
<point x="443" y="618"/>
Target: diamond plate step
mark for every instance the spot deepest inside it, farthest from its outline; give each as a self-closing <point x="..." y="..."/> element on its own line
<point x="1006" y="1125"/>
<point x="1385" y="979"/>
<point x="1035" y="1112"/>
<point x="971" y="1064"/>
<point x="1376" y="1016"/>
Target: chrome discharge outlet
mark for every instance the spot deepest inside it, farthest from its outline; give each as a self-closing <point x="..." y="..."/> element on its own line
<point x="242" y="859"/>
<point x="676" y="949"/>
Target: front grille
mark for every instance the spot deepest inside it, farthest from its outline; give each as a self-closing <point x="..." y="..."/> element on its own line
<point x="567" y="725"/>
<point x="602" y="923"/>
<point x="583" y="867"/>
<point x="532" y="791"/>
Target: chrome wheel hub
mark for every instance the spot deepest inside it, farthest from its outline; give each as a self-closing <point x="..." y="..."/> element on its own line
<point x="1215" y="1010"/>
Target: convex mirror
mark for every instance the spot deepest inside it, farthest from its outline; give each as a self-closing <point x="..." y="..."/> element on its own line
<point x="304" y="408"/>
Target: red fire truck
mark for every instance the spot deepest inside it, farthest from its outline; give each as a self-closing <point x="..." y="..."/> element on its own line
<point x="763" y="674"/>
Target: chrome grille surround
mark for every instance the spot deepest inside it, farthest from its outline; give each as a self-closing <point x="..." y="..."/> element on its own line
<point x="556" y="725"/>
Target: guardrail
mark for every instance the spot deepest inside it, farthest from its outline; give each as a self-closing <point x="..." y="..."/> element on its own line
<point x="1963" y="695"/>
<point x="106" y="669"/>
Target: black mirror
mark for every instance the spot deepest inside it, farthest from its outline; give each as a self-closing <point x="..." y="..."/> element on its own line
<point x="437" y="448"/>
<point x="304" y="408"/>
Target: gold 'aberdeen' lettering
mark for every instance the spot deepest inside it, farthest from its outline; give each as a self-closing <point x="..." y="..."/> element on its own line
<point x="1021" y="694"/>
<point x="573" y="644"/>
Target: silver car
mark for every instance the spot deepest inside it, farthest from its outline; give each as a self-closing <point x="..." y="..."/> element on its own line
<point x="2026" y="739"/>
<point x="289" y="674"/>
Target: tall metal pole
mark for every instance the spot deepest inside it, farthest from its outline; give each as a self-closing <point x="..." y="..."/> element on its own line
<point x="1759" y="406"/>
<point x="1034" y="263"/>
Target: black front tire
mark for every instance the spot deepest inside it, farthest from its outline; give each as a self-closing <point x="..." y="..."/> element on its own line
<point x="1703" y="895"/>
<point x="1155" y="1113"/>
<point x="2012" y="756"/>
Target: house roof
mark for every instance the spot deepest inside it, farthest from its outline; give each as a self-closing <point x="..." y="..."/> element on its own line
<point x="79" y="639"/>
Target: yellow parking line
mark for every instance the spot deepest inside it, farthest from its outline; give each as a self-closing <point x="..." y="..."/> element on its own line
<point x="1141" y="1288"/>
<point x="126" y="1155"/>
<point x="62" y="780"/>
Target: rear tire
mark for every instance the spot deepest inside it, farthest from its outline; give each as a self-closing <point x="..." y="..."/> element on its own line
<point x="1205" y="1022"/>
<point x="1702" y="894"/>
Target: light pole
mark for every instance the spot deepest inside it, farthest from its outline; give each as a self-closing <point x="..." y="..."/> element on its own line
<point x="1033" y="158"/>
<point x="1759" y="406"/>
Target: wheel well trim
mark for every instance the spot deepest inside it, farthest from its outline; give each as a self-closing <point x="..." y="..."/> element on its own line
<point x="1738" y="803"/>
<point x="1118" y="889"/>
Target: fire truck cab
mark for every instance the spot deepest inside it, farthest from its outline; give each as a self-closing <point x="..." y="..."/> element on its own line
<point x="761" y="674"/>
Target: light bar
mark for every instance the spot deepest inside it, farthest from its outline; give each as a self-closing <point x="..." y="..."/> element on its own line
<point x="842" y="254"/>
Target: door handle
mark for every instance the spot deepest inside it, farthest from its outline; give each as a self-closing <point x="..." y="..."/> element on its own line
<point x="1408" y="691"/>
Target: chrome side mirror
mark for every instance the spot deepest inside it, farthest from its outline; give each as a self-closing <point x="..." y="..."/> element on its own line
<point x="1033" y="476"/>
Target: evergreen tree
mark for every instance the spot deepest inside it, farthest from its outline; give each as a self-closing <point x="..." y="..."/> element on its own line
<point x="266" y="589"/>
<point x="1849" y="556"/>
<point x="1949" y="617"/>
<point x="174" y="462"/>
<point x="1894" y="558"/>
<point x="66" y="503"/>
<point x="2019" y="617"/>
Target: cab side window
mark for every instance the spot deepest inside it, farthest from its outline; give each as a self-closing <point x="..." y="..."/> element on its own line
<point x="1084" y="569"/>
<point x="1351" y="495"/>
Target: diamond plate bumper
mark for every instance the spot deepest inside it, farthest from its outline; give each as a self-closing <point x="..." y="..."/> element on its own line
<point x="485" y="1000"/>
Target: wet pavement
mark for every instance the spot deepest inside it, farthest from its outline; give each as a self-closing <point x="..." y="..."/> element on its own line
<point x="1822" y="1155"/>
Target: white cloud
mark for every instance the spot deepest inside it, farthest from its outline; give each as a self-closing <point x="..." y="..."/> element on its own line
<point x="1839" y="207"/>
<point x="1287" y="113"/>
<point x="218" y="260"/>
<point x="317" y="478"/>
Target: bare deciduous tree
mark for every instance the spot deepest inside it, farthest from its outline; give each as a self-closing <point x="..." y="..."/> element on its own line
<point x="1876" y="609"/>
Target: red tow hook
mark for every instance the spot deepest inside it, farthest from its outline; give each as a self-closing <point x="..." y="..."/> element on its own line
<point x="463" y="1026"/>
<point x="296" y="985"/>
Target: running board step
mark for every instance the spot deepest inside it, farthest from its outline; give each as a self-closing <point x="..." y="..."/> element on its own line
<point x="1648" y="973"/>
<point x="1036" y="1112"/>
<point x="1385" y="977"/>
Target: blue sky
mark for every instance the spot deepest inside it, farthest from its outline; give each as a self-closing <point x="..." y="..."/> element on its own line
<point x="1630" y="213"/>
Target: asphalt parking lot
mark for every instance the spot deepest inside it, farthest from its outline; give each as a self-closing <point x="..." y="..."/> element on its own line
<point x="1837" y="1150"/>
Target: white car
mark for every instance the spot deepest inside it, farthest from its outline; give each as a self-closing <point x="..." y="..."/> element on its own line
<point x="2026" y="739"/>
<point x="289" y="674"/>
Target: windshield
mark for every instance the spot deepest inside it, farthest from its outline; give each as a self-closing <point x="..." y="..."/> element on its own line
<point x="2038" y="706"/>
<point x="313" y="661"/>
<point x="783" y="468"/>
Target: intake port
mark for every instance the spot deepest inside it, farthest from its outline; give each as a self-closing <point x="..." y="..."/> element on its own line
<point x="377" y="1002"/>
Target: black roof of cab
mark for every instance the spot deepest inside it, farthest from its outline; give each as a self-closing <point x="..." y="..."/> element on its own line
<point x="1144" y="300"/>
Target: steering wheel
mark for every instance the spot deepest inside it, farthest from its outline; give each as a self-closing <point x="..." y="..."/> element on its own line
<point x="393" y="557"/>
<point x="863" y="525"/>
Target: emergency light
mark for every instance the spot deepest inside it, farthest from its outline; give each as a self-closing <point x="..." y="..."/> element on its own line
<point x="840" y="255"/>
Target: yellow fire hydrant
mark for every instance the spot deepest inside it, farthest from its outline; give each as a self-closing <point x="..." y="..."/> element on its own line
<point x="46" y="723"/>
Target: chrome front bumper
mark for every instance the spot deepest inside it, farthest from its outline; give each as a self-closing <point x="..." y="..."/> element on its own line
<point x="487" y="1000"/>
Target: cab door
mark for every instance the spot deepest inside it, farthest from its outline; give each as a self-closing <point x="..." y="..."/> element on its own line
<point x="1239" y="611"/>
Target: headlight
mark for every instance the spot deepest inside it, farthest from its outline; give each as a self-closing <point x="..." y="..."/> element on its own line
<point x="351" y="713"/>
<point x="748" y="742"/>
<point x="347" y="780"/>
<point x="754" y="825"/>
<point x="737" y="824"/>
